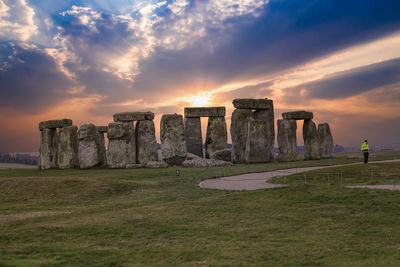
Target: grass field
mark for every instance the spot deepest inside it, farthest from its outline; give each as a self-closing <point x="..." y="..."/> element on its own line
<point x="148" y="217"/>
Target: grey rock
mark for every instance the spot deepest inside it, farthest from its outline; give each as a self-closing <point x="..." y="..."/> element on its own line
<point x="52" y="124"/>
<point x="325" y="141"/>
<point x="190" y="156"/>
<point x="258" y="145"/>
<point x="133" y="116"/>
<point x="204" y="112"/>
<point x="223" y="154"/>
<point x="194" y="142"/>
<point x="310" y="136"/>
<point x="298" y="115"/>
<point x="67" y="152"/>
<point x="268" y="117"/>
<point x="121" y="150"/>
<point x="287" y="142"/>
<point x="172" y="135"/>
<point x="91" y="148"/>
<point x="146" y="145"/>
<point x="251" y="103"/>
<point x="48" y="149"/>
<point x="102" y="129"/>
<point x="239" y="123"/>
<point x="205" y="163"/>
<point x="156" y="164"/>
<point x="134" y="166"/>
<point x="216" y="138"/>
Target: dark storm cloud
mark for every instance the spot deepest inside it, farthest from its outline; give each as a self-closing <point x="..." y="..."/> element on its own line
<point x="352" y="82"/>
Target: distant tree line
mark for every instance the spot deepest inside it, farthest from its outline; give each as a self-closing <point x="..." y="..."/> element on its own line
<point x="19" y="158"/>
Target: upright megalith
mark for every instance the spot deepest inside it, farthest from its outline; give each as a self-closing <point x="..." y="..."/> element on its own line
<point x="102" y="130"/>
<point x="172" y="135"/>
<point x="257" y="145"/>
<point x="146" y="145"/>
<point x="287" y="142"/>
<point x="121" y="151"/>
<point x="48" y="149"/>
<point x="267" y="115"/>
<point x="310" y="136"/>
<point x="67" y="151"/>
<point x="239" y="123"/>
<point x="91" y="148"/>
<point x="325" y="141"/>
<point x="216" y="138"/>
<point x="194" y="142"/>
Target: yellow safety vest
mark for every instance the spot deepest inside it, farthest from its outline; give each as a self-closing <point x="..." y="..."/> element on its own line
<point x="364" y="147"/>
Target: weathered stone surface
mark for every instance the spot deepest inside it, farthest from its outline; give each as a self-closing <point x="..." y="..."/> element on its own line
<point x="102" y="129"/>
<point x="91" y="148"/>
<point x="194" y="143"/>
<point x="258" y="145"/>
<point x="121" y="145"/>
<point x="190" y="156"/>
<point x="205" y="163"/>
<point x="216" y="138"/>
<point x="103" y="147"/>
<point x="251" y="103"/>
<point x="52" y="124"/>
<point x="205" y="112"/>
<point x="310" y="136"/>
<point x="239" y="123"/>
<point x="224" y="154"/>
<point x="287" y="142"/>
<point x="298" y="115"/>
<point x="268" y="117"/>
<point x="156" y="164"/>
<point x="146" y="146"/>
<point x="67" y="152"/>
<point x="48" y="149"/>
<point x="133" y="116"/>
<point x="325" y="141"/>
<point x="172" y="135"/>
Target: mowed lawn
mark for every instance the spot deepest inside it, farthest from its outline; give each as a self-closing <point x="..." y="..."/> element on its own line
<point x="148" y="217"/>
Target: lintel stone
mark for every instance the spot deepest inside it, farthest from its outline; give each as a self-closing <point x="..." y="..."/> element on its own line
<point x="102" y="129"/>
<point x="298" y="115"/>
<point x="250" y="103"/>
<point x="196" y="112"/>
<point x="52" y="124"/>
<point x="133" y="116"/>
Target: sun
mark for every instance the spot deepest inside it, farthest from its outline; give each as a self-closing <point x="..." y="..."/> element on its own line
<point x="202" y="99"/>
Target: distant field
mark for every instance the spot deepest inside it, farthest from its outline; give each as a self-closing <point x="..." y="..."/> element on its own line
<point x="5" y="166"/>
<point x="153" y="217"/>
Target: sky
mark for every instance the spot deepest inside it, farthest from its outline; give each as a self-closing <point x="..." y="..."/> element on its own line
<point x="87" y="60"/>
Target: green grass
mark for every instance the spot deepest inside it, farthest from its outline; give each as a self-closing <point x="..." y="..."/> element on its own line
<point x="148" y="217"/>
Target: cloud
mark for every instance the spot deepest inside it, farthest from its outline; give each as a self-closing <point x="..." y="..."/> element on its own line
<point x="16" y="20"/>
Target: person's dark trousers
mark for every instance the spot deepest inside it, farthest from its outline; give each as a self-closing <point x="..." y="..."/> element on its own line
<point x="366" y="154"/>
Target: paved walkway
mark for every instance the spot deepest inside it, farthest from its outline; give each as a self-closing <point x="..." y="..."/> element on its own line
<point x="254" y="181"/>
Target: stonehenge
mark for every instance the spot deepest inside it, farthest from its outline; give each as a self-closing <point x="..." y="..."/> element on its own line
<point x="131" y="138"/>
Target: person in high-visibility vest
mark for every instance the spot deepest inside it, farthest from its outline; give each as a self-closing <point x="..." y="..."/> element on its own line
<point x="365" y="150"/>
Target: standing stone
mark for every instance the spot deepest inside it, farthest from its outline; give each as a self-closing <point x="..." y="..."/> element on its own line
<point x="239" y="123"/>
<point x="67" y="154"/>
<point x="287" y="142"/>
<point x="258" y="147"/>
<point x="310" y="136"/>
<point x="194" y="143"/>
<point x="325" y="141"/>
<point x="121" y="151"/>
<point x="172" y="133"/>
<point x="91" y="148"/>
<point x="216" y="138"/>
<point x="268" y="117"/>
<point x="102" y="130"/>
<point x="48" y="149"/>
<point x="146" y="145"/>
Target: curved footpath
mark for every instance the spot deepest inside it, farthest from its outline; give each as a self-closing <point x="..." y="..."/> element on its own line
<point x="253" y="181"/>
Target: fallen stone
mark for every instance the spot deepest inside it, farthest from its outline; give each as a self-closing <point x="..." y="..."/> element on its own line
<point x="146" y="145"/>
<point x="325" y="141"/>
<point x="133" y="116"/>
<point x="239" y="123"/>
<point x="156" y="164"/>
<point x="172" y="135"/>
<point x="52" y="124"/>
<point x="216" y="138"/>
<point x="224" y="154"/>
<point x="268" y="117"/>
<point x="67" y="152"/>
<point x="121" y="151"/>
<point x="310" y="136"/>
<point x="298" y="115"/>
<point x="251" y="103"/>
<point x="134" y="166"/>
<point x="190" y="156"/>
<point x="205" y="163"/>
<point x="287" y="142"/>
<point x="48" y="149"/>
<point x="102" y="129"/>
<point x="91" y="148"/>
<point x="194" y="142"/>
<point x="205" y="112"/>
<point x="258" y="145"/>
